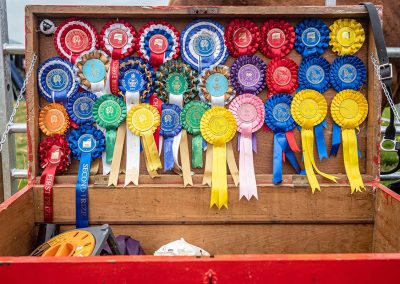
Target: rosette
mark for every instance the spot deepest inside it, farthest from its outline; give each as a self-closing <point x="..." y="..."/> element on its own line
<point x="215" y="87"/>
<point x="143" y="120"/>
<point x="170" y="127"/>
<point x="218" y="127"/>
<point x="249" y="113"/>
<point x="309" y="109"/>
<point x="86" y="143"/>
<point x="118" y="40"/>
<point x="282" y="76"/>
<point x="176" y="82"/>
<point x="53" y="119"/>
<point x="73" y="37"/>
<point x="203" y="44"/>
<point x="191" y="115"/>
<point x="242" y="37"/>
<point x="348" y="72"/>
<point x="314" y="74"/>
<point x="80" y="106"/>
<point x="347" y="36"/>
<point x="349" y="109"/>
<point x="312" y="37"/>
<point x="280" y="121"/>
<point x="91" y="69"/>
<point x="56" y="82"/>
<point x="248" y="74"/>
<point x="54" y="158"/>
<point x="277" y="38"/>
<point x="158" y="42"/>
<point x="108" y="112"/>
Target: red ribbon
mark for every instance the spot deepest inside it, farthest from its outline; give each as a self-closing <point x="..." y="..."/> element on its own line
<point x="282" y="76"/>
<point x="247" y="46"/>
<point x="292" y="141"/>
<point x="54" y="156"/>
<point x="156" y="102"/>
<point x="114" y="70"/>
<point x="278" y="50"/>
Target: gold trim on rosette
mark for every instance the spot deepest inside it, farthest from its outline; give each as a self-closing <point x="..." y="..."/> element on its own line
<point x="218" y="127"/>
<point x="349" y="109"/>
<point x="309" y="109"/>
<point x="53" y="119"/>
<point x="96" y="54"/>
<point x="347" y="36"/>
<point x="143" y="120"/>
<point x="222" y="69"/>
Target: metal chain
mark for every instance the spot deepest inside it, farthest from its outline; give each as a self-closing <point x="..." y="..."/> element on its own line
<point x="19" y="99"/>
<point x="385" y="90"/>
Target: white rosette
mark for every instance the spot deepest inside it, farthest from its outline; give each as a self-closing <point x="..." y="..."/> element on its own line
<point x="120" y="26"/>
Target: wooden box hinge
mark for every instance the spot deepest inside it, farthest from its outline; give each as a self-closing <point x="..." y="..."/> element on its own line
<point x="203" y="10"/>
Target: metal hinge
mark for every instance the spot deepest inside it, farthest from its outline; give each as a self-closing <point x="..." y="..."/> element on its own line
<point x="203" y="10"/>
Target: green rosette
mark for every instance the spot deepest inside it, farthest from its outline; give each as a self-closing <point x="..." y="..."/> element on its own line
<point x="190" y="119"/>
<point x="176" y="78"/>
<point x="109" y="112"/>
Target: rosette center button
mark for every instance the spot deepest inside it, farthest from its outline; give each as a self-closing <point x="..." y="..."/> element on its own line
<point x="247" y="113"/>
<point x="158" y="43"/>
<point x="348" y="108"/>
<point x="242" y="37"/>
<point x="218" y="125"/>
<point x="76" y="40"/>
<point x="308" y="108"/>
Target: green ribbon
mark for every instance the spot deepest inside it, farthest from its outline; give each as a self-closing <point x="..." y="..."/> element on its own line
<point x="111" y="137"/>
<point x="197" y="152"/>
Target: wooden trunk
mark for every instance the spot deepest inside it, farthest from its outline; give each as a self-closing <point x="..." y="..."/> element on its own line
<point x="361" y="230"/>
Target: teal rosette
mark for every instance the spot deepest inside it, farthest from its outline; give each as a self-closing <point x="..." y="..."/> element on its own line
<point x="80" y="106"/>
<point x="348" y="72"/>
<point x="86" y="144"/>
<point x="279" y="119"/>
<point x="109" y="112"/>
<point x="170" y="127"/>
<point x="312" y="37"/>
<point x="314" y="73"/>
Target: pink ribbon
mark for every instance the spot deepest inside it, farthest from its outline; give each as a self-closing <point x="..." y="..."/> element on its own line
<point x="247" y="176"/>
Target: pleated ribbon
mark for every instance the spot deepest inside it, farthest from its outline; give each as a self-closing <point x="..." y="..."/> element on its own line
<point x="312" y="37"/>
<point x="242" y="37"/>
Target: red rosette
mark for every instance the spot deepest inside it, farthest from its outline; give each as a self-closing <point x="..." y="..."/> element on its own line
<point x="277" y="38"/>
<point x="282" y="76"/>
<point x="75" y="36"/>
<point x="242" y="37"/>
<point x="158" y="57"/>
<point x="54" y="158"/>
<point x="117" y="39"/>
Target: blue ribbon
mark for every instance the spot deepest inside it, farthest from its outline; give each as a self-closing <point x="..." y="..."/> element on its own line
<point x="84" y="152"/>
<point x="347" y="72"/>
<point x="75" y="111"/>
<point x="314" y="74"/>
<point x="170" y="127"/>
<point x="320" y="139"/>
<point x="335" y="139"/>
<point x="56" y="81"/>
<point x="312" y="37"/>
<point x="279" y="120"/>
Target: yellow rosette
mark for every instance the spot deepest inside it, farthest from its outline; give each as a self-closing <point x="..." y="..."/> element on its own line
<point x="143" y="120"/>
<point x="349" y="109"/>
<point x="53" y="119"/>
<point x="218" y="127"/>
<point x="347" y="36"/>
<point x="309" y="109"/>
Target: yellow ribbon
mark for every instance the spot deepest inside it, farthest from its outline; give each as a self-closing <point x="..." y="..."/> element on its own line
<point x="309" y="109"/>
<point x="347" y="36"/>
<point x="142" y="120"/>
<point x="218" y="127"/>
<point x="349" y="109"/>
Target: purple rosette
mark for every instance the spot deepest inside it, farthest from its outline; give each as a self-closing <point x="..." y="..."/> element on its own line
<point x="248" y="74"/>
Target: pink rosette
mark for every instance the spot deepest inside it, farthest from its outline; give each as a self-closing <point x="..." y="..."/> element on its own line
<point x="117" y="39"/>
<point x="277" y="38"/>
<point x="73" y="37"/>
<point x="249" y="113"/>
<point x="282" y="76"/>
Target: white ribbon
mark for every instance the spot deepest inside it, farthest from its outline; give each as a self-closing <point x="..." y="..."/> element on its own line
<point x="132" y="144"/>
<point x="247" y="177"/>
<point x="176" y="100"/>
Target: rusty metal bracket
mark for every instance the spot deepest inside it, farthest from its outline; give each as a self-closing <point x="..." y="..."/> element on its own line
<point x="203" y="10"/>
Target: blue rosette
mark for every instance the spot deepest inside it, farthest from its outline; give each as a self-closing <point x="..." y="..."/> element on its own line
<point x="56" y="81"/>
<point x="281" y="122"/>
<point x="170" y="127"/>
<point x="80" y="106"/>
<point x="348" y="72"/>
<point x="136" y="75"/>
<point x="86" y="143"/>
<point x="312" y="37"/>
<point x="314" y="73"/>
<point x="203" y="44"/>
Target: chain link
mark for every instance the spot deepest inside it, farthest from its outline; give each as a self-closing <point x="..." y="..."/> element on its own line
<point x="19" y="99"/>
<point x="385" y="90"/>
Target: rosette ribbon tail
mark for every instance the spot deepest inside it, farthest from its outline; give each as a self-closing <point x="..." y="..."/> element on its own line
<point x="247" y="177"/>
<point x="197" y="152"/>
<point x="157" y="103"/>
<point x="320" y="140"/>
<point x="351" y="160"/>
<point x="113" y="72"/>
<point x="82" y="196"/>
<point x="111" y="137"/>
<point x="150" y="149"/>
<point x="307" y="135"/>
<point x="292" y="141"/>
<point x="184" y="152"/>
<point x="335" y="139"/>
<point x="207" y="180"/>
<point x="219" y="188"/>
<point x="168" y="154"/>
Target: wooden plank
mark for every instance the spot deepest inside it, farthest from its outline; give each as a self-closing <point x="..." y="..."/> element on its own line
<point x="387" y="221"/>
<point x="254" y="239"/>
<point x="187" y="205"/>
<point x="17" y="233"/>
